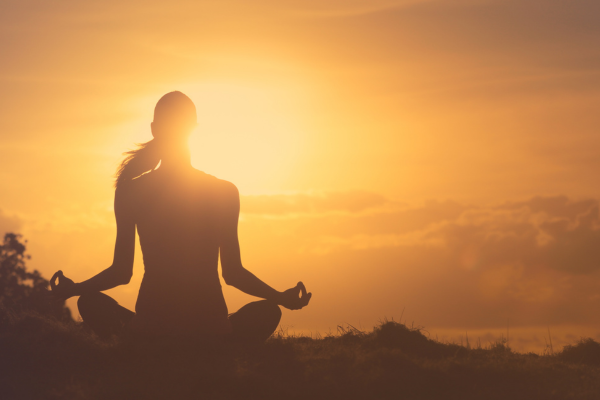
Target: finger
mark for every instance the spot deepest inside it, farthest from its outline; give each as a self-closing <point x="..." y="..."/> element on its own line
<point x="302" y="288"/>
<point x="61" y="277"/>
<point x="307" y="297"/>
<point x="53" y="279"/>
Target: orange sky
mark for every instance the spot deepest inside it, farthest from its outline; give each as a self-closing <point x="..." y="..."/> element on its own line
<point x="435" y="156"/>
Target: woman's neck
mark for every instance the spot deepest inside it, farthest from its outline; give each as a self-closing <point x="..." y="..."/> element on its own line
<point x="176" y="163"/>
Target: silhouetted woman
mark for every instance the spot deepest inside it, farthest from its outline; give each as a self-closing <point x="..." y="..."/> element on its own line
<point x="185" y="219"/>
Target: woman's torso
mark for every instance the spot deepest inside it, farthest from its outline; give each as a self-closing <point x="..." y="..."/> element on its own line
<point x="177" y="219"/>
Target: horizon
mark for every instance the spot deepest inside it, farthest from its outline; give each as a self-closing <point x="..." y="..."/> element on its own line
<point x="425" y="160"/>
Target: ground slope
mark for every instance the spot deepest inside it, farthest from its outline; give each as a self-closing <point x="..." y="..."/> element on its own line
<point x="42" y="358"/>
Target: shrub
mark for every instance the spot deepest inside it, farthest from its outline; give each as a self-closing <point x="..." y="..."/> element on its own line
<point x="22" y="290"/>
<point x="586" y="351"/>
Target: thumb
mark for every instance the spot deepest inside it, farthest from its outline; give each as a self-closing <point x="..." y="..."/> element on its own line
<point x="302" y="288"/>
<point x="53" y="279"/>
<point x="308" y="297"/>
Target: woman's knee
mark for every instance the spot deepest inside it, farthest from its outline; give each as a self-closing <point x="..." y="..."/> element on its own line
<point x="91" y="301"/>
<point x="276" y="312"/>
<point x="271" y="310"/>
<point x="265" y="311"/>
<point x="84" y="302"/>
<point x="256" y="321"/>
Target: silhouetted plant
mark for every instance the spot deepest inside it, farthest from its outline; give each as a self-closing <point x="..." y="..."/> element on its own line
<point x="586" y="351"/>
<point x="20" y="289"/>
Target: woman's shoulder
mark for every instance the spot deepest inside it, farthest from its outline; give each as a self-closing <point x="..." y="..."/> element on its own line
<point x="220" y="184"/>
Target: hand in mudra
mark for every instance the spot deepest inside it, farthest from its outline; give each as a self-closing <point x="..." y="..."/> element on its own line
<point x="65" y="287"/>
<point x="291" y="298"/>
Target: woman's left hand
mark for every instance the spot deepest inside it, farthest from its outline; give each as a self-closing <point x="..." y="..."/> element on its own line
<point x="294" y="298"/>
<point x="65" y="287"/>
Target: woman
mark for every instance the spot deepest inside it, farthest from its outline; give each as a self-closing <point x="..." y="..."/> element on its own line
<point x="185" y="219"/>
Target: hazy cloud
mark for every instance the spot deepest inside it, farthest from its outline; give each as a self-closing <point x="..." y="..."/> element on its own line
<point x="9" y="223"/>
<point x="350" y="201"/>
<point x="345" y="8"/>
<point x="536" y="262"/>
<point x="553" y="232"/>
<point x="550" y="232"/>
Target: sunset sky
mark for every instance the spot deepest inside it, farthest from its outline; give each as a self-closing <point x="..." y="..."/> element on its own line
<point x="435" y="161"/>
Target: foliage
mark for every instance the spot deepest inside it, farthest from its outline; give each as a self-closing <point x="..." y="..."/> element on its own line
<point x="43" y="358"/>
<point x="21" y="289"/>
<point x="586" y="351"/>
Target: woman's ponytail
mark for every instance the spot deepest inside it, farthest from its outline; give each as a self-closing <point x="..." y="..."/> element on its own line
<point x="138" y="161"/>
<point x="175" y="115"/>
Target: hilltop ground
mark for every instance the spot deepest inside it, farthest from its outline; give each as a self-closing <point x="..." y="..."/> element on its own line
<point x="41" y="358"/>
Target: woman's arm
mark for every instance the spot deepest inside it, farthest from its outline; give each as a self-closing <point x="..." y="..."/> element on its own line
<point x="234" y="272"/>
<point x="121" y="270"/>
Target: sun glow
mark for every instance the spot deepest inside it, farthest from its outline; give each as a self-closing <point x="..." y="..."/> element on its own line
<point x="250" y="136"/>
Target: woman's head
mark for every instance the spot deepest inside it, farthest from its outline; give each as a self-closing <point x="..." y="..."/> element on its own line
<point x="174" y="117"/>
<point x="174" y="120"/>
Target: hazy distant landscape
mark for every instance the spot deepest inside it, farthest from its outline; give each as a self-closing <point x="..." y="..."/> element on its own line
<point x="46" y="359"/>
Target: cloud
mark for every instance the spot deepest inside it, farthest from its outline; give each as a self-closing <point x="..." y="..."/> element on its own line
<point x="550" y="232"/>
<point x="345" y="8"/>
<point x="535" y="262"/>
<point x="554" y="232"/>
<point x="9" y="223"/>
<point x="350" y="201"/>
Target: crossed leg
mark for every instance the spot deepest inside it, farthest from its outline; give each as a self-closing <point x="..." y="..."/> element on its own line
<point x="103" y="314"/>
<point x="253" y="323"/>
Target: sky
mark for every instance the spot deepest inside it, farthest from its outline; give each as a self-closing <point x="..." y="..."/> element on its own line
<point x="429" y="161"/>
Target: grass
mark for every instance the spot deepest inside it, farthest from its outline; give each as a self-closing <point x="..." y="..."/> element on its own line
<point x="41" y="358"/>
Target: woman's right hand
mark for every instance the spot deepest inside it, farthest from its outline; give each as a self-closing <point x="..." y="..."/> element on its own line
<point x="65" y="287"/>
<point x="294" y="298"/>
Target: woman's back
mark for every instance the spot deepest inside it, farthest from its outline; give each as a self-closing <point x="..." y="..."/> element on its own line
<point x="178" y="218"/>
<point x="185" y="219"/>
